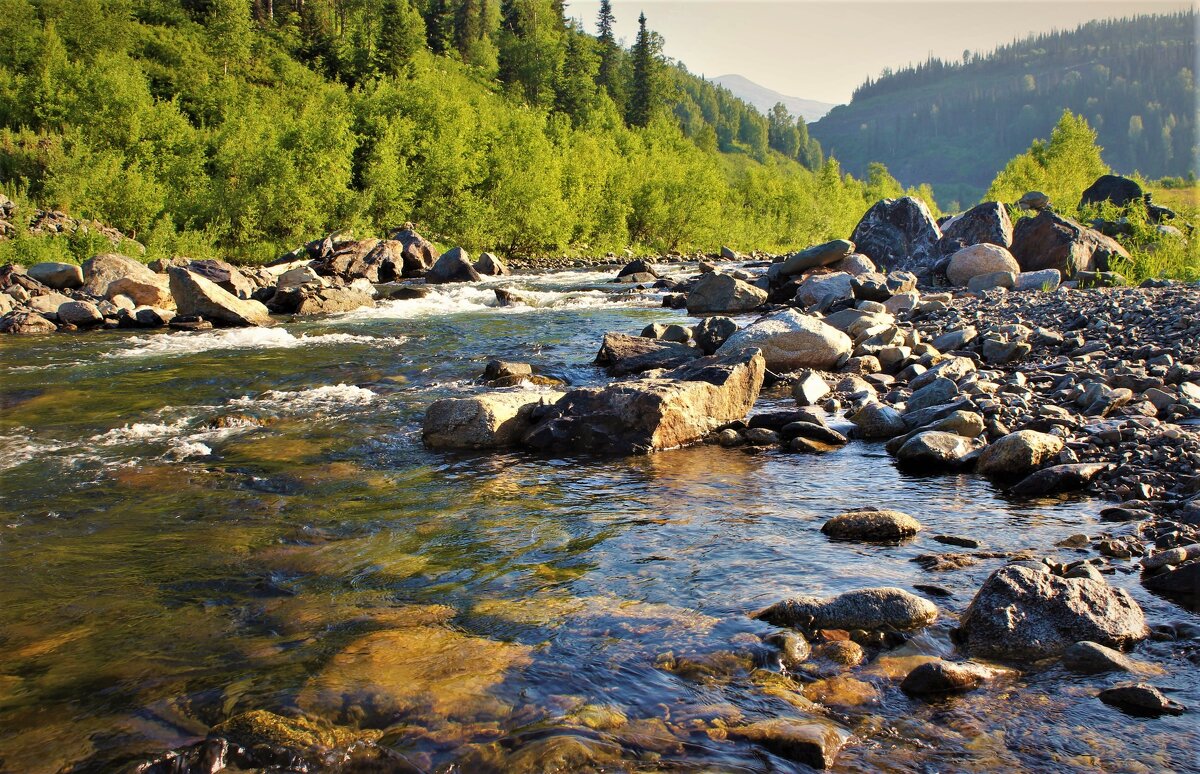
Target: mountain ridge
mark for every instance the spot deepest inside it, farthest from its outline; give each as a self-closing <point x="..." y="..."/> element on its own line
<point x="764" y="98"/>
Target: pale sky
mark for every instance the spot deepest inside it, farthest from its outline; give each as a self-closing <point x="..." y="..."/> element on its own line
<point x="822" y="49"/>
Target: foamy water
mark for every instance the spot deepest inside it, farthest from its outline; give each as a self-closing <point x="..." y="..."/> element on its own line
<point x="239" y="338"/>
<point x="327" y="397"/>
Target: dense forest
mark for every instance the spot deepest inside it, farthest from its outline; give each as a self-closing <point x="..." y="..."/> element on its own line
<point x="953" y="124"/>
<point x="241" y="128"/>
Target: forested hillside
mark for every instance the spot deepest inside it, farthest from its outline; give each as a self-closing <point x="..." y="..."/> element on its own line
<point x="953" y="124"/>
<point x="242" y="127"/>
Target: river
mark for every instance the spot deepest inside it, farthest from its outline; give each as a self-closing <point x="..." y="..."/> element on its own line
<point x="198" y="524"/>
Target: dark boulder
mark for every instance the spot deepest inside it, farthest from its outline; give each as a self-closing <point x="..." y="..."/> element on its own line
<point x="624" y="355"/>
<point x="454" y="266"/>
<point x="899" y="234"/>
<point x="1050" y="241"/>
<point x="986" y="223"/>
<point x="1119" y="190"/>
<point x="638" y="267"/>
<point x="818" y="255"/>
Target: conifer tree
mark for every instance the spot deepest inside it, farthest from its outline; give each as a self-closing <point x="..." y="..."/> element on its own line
<point x="401" y="36"/>
<point x="609" y="75"/>
<point x="645" y="92"/>
<point x="576" y="89"/>
<point x="439" y="26"/>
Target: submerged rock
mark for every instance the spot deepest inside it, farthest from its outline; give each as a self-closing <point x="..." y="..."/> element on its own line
<point x="1093" y="658"/>
<point x="1141" y="700"/>
<point x="1023" y="613"/>
<point x="487" y="421"/>
<point x="870" y="609"/>
<point x="679" y="407"/>
<point x="938" y="678"/>
<point x="811" y="742"/>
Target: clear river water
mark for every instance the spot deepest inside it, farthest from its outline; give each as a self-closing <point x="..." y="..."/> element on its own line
<point x="194" y="525"/>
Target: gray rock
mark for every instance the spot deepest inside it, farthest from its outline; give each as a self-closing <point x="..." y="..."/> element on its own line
<point x="1047" y="280"/>
<point x="101" y="270"/>
<point x="1093" y="658"/>
<point x="983" y="223"/>
<point x="224" y="275"/>
<point x="1058" y="478"/>
<point x="935" y="393"/>
<point x="454" y="265"/>
<point x="978" y="260"/>
<point x="623" y="355"/>
<point x="1019" y="453"/>
<point x="790" y="340"/>
<point x="490" y="265"/>
<point x="1021" y="613"/>
<point x="81" y="314"/>
<point x="870" y="609"/>
<point x="1050" y="241"/>
<point x="718" y="292"/>
<point x="60" y="276"/>
<point x="809" y="388"/>
<point x="935" y="450"/>
<point x="712" y="332"/>
<point x="876" y="420"/>
<point x="818" y="255"/>
<point x="998" y="279"/>
<point x="196" y="296"/>
<point x="26" y="322"/>
<point x="794" y="649"/>
<point x="1184" y="579"/>
<point x="818" y="287"/>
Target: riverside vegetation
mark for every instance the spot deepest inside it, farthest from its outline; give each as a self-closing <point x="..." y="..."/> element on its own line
<point x="921" y="494"/>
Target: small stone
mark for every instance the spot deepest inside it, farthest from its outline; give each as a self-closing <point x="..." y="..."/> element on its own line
<point x="873" y="525"/>
<point x="937" y="678"/>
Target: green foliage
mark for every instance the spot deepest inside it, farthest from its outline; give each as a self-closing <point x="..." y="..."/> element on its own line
<point x="645" y="93"/>
<point x="1061" y="168"/>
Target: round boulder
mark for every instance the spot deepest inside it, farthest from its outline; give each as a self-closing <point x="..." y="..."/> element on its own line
<point x="790" y="340"/>
<point x="1019" y="453"/>
<point x="872" y="524"/>
<point x="977" y="260"/>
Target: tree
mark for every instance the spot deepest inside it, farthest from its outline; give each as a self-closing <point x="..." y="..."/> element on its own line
<point x="645" y="95"/>
<point x="1061" y="168"/>
<point x="531" y="48"/>
<point x="230" y="28"/>
<point x="439" y="26"/>
<point x="401" y="36"/>
<point x="609" y="74"/>
<point x="575" y="90"/>
<point x="782" y="133"/>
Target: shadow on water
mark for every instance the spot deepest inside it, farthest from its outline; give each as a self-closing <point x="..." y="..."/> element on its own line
<point x="194" y="527"/>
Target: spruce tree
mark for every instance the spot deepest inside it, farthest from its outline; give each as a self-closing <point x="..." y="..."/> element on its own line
<point x="644" y="94"/>
<point x="609" y="75"/>
<point x="439" y="26"/>
<point x="401" y="36"/>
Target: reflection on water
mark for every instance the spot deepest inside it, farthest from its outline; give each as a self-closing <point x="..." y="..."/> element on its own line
<point x="317" y="559"/>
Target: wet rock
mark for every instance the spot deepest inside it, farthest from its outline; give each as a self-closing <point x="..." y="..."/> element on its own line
<point x="978" y="260"/>
<point x="195" y="295"/>
<point x="1050" y="241"/>
<point x="790" y="340"/>
<point x="82" y="314"/>
<point x="454" y="265"/>
<point x="935" y="450"/>
<point x="152" y="317"/>
<point x="299" y="734"/>
<point x="60" y="276"/>
<point x="1019" y="453"/>
<point x="1184" y="579"/>
<point x="794" y="649"/>
<point x="623" y="355"/>
<point x="491" y="266"/>
<point x="1058" y="478"/>
<point x="1141" y="700"/>
<point x="872" y="524"/>
<point x="638" y="267"/>
<point x="712" y="332"/>
<point x="317" y="300"/>
<point x="940" y="678"/>
<point x="1021" y="613"/>
<point x="722" y="293"/>
<point x="1093" y="658"/>
<point x="25" y="322"/>
<point x="986" y="223"/>
<point x="818" y="255"/>
<point x="761" y="436"/>
<point x="876" y="420"/>
<point x="812" y="431"/>
<point x="810" y="742"/>
<point x="809" y="388"/>
<point x="844" y="654"/>
<point x="678" y="408"/>
<point x="486" y="421"/>
<point x="899" y="234"/>
<point x="868" y="609"/>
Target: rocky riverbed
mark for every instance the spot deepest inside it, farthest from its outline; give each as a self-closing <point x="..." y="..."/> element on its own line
<point x="836" y="517"/>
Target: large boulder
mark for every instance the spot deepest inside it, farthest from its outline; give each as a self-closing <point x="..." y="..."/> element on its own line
<point x="716" y="292"/>
<point x="1026" y="613"/>
<point x="224" y="274"/>
<point x="195" y="295"/>
<point x="454" y="266"/>
<point x="624" y="355"/>
<point x="81" y="314"/>
<point x="1050" y="241"/>
<point x="25" y="322"/>
<point x="155" y="291"/>
<point x="1019" y="453"/>
<point x="417" y="254"/>
<point x="986" y="223"/>
<point x="60" y="276"/>
<point x="1112" y="188"/>
<point x="101" y="270"/>
<point x="790" y="340"/>
<point x="490" y="265"/>
<point x="316" y="300"/>
<point x="936" y="450"/>
<point x="818" y="255"/>
<point x="680" y="407"/>
<point x="487" y="421"/>
<point x="978" y="260"/>
<point x="871" y="609"/>
<point x="375" y="260"/>
<point x="899" y="234"/>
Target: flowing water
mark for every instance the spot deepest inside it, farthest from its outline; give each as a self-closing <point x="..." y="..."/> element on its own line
<point x="194" y="525"/>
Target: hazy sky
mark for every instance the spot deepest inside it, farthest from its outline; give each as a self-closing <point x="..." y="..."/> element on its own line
<point x="818" y="49"/>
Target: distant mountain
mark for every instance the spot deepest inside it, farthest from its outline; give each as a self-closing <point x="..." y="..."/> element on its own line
<point x="955" y="124"/>
<point x="764" y="99"/>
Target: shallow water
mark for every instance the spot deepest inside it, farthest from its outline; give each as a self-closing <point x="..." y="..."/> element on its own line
<point x="195" y="525"/>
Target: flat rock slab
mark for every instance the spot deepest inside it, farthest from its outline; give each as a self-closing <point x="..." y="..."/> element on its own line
<point x="488" y="421"/>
